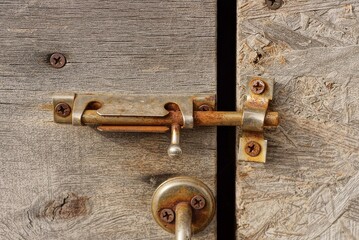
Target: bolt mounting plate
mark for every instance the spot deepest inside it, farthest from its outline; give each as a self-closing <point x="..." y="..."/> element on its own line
<point x="115" y="105"/>
<point x="183" y="189"/>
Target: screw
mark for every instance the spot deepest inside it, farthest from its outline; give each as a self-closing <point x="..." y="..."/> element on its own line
<point x="57" y="60"/>
<point x="253" y="149"/>
<point x="205" y="107"/>
<point x="258" y="86"/>
<point x="167" y="215"/>
<point x="274" y="4"/>
<point x="62" y="110"/>
<point x="198" y="202"/>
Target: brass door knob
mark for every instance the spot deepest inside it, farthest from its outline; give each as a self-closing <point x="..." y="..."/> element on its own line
<point x="183" y="206"/>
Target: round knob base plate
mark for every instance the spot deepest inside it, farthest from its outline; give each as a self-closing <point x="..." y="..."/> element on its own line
<point x="183" y="189"/>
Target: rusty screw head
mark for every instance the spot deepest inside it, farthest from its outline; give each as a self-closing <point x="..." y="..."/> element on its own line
<point x="258" y="86"/>
<point x="198" y="202"/>
<point x="205" y="108"/>
<point x="274" y="4"/>
<point x="62" y="110"/>
<point x="167" y="215"/>
<point x="253" y="149"/>
<point x="57" y="60"/>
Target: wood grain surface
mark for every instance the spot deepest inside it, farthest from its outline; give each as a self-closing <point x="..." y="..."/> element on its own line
<point x="308" y="189"/>
<point x="65" y="182"/>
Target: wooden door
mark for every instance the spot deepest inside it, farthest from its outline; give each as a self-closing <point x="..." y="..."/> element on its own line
<point x="64" y="182"/>
<point x="308" y="189"/>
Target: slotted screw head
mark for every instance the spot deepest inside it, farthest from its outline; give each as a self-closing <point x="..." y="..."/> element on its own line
<point x="253" y="149"/>
<point x="167" y="215"/>
<point x="258" y="86"/>
<point x="198" y="202"/>
<point x="62" y="110"/>
<point x="274" y="4"/>
<point x="57" y="60"/>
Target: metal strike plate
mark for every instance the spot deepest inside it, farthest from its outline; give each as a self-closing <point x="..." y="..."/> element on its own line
<point x="252" y="145"/>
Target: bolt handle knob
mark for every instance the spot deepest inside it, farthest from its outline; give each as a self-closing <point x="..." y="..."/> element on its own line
<point x="174" y="150"/>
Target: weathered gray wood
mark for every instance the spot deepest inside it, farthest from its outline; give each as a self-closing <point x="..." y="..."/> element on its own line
<point x="64" y="182"/>
<point x="308" y="189"/>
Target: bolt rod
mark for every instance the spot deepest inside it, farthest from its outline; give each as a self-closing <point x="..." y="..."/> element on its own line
<point x="201" y="118"/>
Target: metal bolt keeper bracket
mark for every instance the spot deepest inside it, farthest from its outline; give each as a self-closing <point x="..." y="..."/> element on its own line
<point x="162" y="113"/>
<point x="252" y="146"/>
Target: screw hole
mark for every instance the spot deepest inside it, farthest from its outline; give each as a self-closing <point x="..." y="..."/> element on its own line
<point x="274" y="4"/>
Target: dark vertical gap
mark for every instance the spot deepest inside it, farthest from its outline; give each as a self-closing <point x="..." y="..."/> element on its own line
<point x="226" y="138"/>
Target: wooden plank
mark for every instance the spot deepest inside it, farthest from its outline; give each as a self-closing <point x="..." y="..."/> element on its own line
<point x="308" y="187"/>
<point x="258" y="9"/>
<point x="64" y="182"/>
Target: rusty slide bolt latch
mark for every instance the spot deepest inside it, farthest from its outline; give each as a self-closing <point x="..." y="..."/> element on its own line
<point x="183" y="206"/>
<point x="166" y="113"/>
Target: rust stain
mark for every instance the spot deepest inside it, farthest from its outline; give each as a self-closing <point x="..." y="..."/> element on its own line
<point x="46" y="106"/>
<point x="71" y="206"/>
<point x="242" y="175"/>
